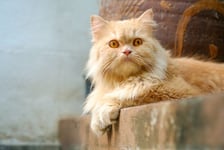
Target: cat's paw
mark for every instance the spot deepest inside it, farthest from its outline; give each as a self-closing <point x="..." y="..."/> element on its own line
<point x="103" y="117"/>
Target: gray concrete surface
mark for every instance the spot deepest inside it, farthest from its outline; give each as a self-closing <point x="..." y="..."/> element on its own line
<point x="44" y="45"/>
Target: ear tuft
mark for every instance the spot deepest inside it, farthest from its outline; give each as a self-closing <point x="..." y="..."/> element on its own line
<point x="147" y="17"/>
<point x="97" y="23"/>
<point x="148" y="14"/>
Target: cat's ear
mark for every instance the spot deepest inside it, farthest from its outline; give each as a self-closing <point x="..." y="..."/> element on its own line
<point x="97" y="23"/>
<point x="147" y="18"/>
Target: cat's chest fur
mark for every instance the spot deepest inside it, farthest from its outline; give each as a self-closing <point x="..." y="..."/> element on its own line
<point x="129" y="67"/>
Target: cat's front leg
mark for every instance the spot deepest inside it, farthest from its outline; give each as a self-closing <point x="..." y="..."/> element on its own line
<point x="132" y="89"/>
<point x="104" y="115"/>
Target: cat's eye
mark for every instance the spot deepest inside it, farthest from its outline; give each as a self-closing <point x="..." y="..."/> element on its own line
<point x="137" y="42"/>
<point x="114" y="44"/>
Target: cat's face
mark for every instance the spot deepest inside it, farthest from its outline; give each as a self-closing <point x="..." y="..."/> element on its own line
<point x="123" y="48"/>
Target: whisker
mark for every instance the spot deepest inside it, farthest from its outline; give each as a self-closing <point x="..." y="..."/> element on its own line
<point x="106" y="66"/>
<point x="141" y="62"/>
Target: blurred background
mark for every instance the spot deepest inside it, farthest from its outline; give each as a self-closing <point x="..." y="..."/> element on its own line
<point x="44" y="46"/>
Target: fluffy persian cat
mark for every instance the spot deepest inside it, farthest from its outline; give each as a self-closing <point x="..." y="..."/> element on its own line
<point x="129" y="67"/>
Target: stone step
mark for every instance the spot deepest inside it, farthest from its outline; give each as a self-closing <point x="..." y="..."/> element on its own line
<point x="196" y="123"/>
<point x="30" y="147"/>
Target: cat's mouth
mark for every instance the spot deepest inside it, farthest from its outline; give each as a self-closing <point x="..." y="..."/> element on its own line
<point x="126" y="66"/>
<point x="128" y="59"/>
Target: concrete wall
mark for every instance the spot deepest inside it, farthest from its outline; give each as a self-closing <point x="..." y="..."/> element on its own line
<point x="44" y="45"/>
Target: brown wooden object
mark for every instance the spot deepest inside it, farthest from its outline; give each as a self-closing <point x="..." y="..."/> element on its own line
<point x="187" y="27"/>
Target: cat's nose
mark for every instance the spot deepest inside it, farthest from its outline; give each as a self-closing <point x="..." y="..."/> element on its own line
<point x="127" y="52"/>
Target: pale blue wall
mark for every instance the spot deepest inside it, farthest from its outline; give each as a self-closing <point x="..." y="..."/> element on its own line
<point x="44" y="45"/>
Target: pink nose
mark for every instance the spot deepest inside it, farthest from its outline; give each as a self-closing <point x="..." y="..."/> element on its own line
<point x="127" y="52"/>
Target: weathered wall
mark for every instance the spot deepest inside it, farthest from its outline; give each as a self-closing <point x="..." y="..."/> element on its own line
<point x="44" y="45"/>
<point x="195" y="123"/>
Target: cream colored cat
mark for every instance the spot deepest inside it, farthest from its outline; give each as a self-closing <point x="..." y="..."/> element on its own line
<point x="129" y="67"/>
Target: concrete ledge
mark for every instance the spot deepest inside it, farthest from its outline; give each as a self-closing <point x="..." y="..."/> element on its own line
<point x="196" y="123"/>
<point x="30" y="147"/>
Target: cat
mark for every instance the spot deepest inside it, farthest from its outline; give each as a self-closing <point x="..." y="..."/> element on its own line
<point x="129" y="67"/>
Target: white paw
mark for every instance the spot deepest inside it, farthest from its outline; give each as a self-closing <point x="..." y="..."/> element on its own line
<point x="103" y="117"/>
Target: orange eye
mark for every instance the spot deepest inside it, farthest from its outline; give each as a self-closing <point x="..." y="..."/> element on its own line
<point x="137" y="42"/>
<point x="114" y="44"/>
